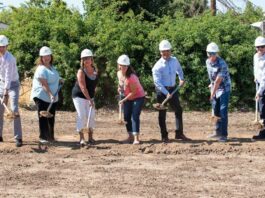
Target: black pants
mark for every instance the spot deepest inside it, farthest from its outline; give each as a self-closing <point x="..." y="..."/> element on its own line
<point x="46" y="125"/>
<point x="175" y="105"/>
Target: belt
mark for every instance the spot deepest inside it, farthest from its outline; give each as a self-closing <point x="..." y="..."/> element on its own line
<point x="170" y="87"/>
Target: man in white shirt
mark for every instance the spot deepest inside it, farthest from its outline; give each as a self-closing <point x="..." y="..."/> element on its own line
<point x="165" y="73"/>
<point x="9" y="89"/>
<point x="259" y="74"/>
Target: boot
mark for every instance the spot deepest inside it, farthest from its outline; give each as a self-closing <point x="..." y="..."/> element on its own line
<point x="90" y="136"/>
<point x="260" y="136"/>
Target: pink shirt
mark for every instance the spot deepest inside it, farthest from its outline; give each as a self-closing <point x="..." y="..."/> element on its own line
<point x="133" y="79"/>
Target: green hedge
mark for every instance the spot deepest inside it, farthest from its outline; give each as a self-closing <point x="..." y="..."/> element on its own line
<point x="109" y="33"/>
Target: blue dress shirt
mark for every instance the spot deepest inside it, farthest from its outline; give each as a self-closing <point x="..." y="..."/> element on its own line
<point x="164" y="73"/>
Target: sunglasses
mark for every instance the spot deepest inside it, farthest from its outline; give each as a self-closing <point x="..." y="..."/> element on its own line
<point x="87" y="58"/>
<point x="263" y="46"/>
<point x="212" y="53"/>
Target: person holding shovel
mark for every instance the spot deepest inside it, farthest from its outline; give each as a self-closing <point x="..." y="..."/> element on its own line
<point x="121" y="79"/>
<point x="220" y="87"/>
<point x="9" y="88"/>
<point x="45" y="86"/>
<point x="133" y="100"/>
<point x="259" y="74"/>
<point x="164" y="76"/>
<point x="83" y="94"/>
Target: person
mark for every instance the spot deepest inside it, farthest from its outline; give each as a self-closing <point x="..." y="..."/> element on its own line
<point x="259" y="74"/>
<point x="83" y="94"/>
<point x="164" y="76"/>
<point x="121" y="80"/>
<point x="45" y="87"/>
<point x="133" y="100"/>
<point x="220" y="87"/>
<point x="9" y="88"/>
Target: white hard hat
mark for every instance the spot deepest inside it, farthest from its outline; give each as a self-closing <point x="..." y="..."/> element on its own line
<point x="123" y="60"/>
<point x="86" y="53"/>
<point x="212" y="47"/>
<point x="164" y="45"/>
<point x="45" y="51"/>
<point x="260" y="41"/>
<point x="3" y="40"/>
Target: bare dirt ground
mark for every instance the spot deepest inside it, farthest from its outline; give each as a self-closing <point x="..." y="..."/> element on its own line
<point x="200" y="168"/>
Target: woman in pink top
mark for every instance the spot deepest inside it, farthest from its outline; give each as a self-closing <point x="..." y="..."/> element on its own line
<point x="133" y="101"/>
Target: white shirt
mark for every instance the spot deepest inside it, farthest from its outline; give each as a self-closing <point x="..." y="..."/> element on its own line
<point x="8" y="69"/>
<point x="259" y="71"/>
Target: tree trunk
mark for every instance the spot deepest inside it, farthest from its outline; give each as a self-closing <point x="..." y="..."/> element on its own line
<point x="213" y="7"/>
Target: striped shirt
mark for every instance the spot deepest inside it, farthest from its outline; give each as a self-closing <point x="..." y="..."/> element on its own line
<point x="8" y="69"/>
<point x="219" y="68"/>
<point x="259" y="71"/>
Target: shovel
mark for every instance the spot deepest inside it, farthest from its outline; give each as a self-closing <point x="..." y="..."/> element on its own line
<point x="89" y="116"/>
<point x="214" y="117"/>
<point x="10" y="115"/>
<point x="257" y="121"/>
<point x="47" y="113"/>
<point x="162" y="106"/>
<point x="120" y="121"/>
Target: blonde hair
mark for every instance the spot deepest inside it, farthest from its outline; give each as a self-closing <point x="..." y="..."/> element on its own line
<point x="92" y="65"/>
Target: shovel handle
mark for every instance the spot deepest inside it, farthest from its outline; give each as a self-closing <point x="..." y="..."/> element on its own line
<point x="50" y="105"/>
<point x="89" y="115"/>
<point x="8" y="111"/>
<point x="173" y="92"/>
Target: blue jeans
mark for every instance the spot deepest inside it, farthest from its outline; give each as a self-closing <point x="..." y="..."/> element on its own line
<point x="13" y="94"/>
<point x="220" y="107"/>
<point x="132" y="111"/>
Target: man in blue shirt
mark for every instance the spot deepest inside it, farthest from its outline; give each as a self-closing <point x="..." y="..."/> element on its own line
<point x="164" y="76"/>
<point x="220" y="86"/>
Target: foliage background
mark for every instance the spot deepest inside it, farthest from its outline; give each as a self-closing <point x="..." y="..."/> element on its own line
<point x="111" y="28"/>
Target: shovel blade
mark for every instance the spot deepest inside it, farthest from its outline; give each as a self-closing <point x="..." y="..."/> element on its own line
<point x="159" y="107"/>
<point x="46" y="114"/>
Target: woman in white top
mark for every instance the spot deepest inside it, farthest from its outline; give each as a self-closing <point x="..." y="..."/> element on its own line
<point x="45" y="91"/>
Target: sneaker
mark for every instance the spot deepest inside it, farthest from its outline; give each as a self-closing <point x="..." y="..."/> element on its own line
<point x="182" y="137"/>
<point x="222" y="139"/>
<point x="42" y="141"/>
<point x="135" y="142"/>
<point x="18" y="142"/>
<point x="214" y="136"/>
<point x="1" y="139"/>
<point x="82" y="142"/>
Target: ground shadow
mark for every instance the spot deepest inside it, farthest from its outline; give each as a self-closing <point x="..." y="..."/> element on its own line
<point x="107" y="141"/>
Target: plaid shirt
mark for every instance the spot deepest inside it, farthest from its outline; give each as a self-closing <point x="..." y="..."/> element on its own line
<point x="219" y="68"/>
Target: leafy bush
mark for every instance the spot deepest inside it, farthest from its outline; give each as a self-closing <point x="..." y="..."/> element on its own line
<point x="111" y="28"/>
